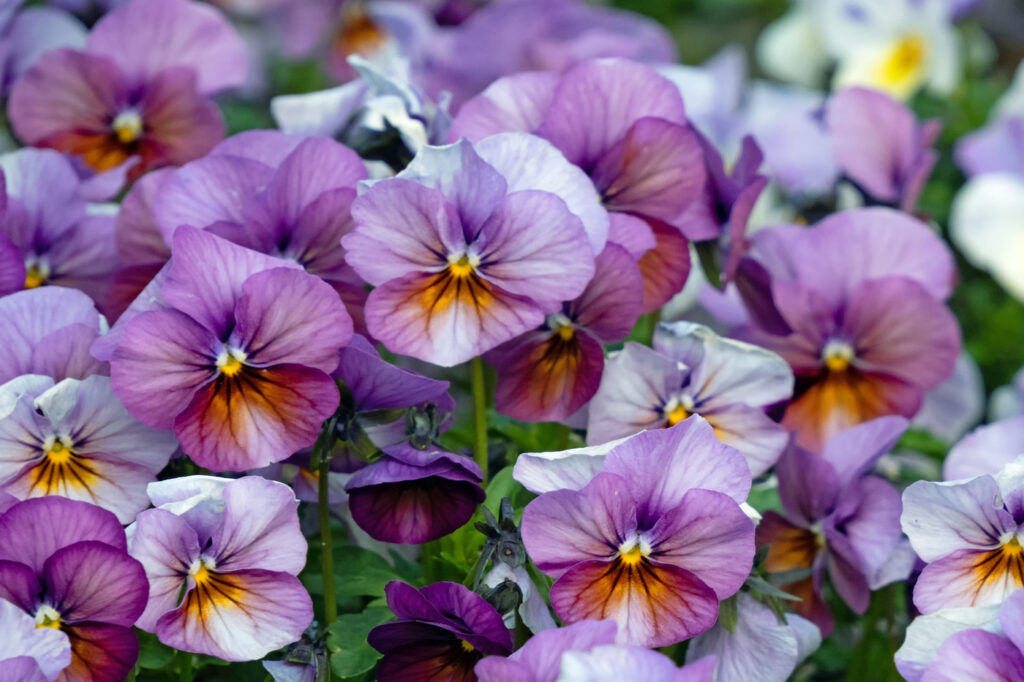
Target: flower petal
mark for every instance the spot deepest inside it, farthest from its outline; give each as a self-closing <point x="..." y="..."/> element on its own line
<point x="29" y="533"/>
<point x="166" y="546"/>
<point x="92" y="581"/>
<point x="941" y="518"/>
<point x="260" y="528"/>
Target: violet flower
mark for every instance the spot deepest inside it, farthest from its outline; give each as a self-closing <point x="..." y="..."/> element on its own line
<point x="463" y="260"/>
<point x="834" y="519"/>
<point x="217" y="348"/>
<point x="986" y="450"/>
<point x="49" y="331"/>
<point x="221" y="557"/>
<point x="976" y="654"/>
<point x="653" y="541"/>
<point x="29" y="653"/>
<point x="442" y="631"/>
<point x="880" y="145"/>
<point x="75" y="439"/>
<point x="854" y="304"/>
<point x="969" y="534"/>
<point x="625" y="126"/>
<point x="282" y="195"/>
<point x="692" y="370"/>
<point x="64" y="563"/>
<point x="586" y="651"/>
<point x="759" y="648"/>
<point x="140" y="88"/>
<point x="28" y="33"/>
<point x="55" y="234"/>
<point x="549" y="373"/>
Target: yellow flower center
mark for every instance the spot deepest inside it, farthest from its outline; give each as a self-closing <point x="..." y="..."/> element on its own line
<point x="676" y="415"/>
<point x="59" y="453"/>
<point x="462" y="267"/>
<point x="231" y="362"/>
<point x="905" y="61"/>
<point x="47" y="617"/>
<point x="632" y="557"/>
<point x="201" y="571"/>
<point x="837" y="356"/>
<point x="127" y="126"/>
<point x="467" y="647"/>
<point x="34" y="278"/>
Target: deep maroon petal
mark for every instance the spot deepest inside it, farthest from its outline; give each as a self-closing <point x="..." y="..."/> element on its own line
<point x="414" y="511"/>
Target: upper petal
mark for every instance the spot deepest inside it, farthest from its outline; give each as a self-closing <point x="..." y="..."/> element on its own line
<point x="92" y="581"/>
<point x="32" y="530"/>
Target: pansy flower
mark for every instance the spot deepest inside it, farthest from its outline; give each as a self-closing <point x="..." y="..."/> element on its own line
<point x="74" y="438"/>
<point x="49" y="331"/>
<point x="653" y="541"/>
<point x="549" y="373"/>
<point x="139" y="89"/>
<point x="29" y="653"/>
<point x="969" y="534"/>
<point x="218" y="348"/>
<point x="64" y="563"/>
<point x="463" y="258"/>
<point x="854" y="304"/>
<point x="49" y="228"/>
<point x="834" y="520"/>
<point x="625" y="126"/>
<point x="692" y="370"/>
<point x="221" y="557"/>
<point x="880" y="145"/>
<point x="442" y="631"/>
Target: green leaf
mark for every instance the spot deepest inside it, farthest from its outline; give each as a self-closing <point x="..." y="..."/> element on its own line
<point x="346" y="641"/>
<point x="153" y="654"/>
<point x="728" y="613"/>
<point x="361" y="573"/>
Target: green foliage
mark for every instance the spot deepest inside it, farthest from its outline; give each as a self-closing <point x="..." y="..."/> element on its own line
<point x="351" y="655"/>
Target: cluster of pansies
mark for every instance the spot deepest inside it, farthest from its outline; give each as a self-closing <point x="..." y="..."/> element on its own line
<point x="519" y="351"/>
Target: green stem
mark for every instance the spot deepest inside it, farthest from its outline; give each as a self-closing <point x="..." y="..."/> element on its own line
<point x="326" y="548"/>
<point x="185" y="667"/>
<point x="480" y="414"/>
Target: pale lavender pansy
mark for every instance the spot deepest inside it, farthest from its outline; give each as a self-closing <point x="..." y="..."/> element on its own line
<point x="985" y="450"/>
<point x="29" y="653"/>
<point x="692" y="370"/>
<point x="760" y="648"/>
<point x="75" y="439"/>
<point x="977" y="654"/>
<point x="221" y="559"/>
<point x="969" y="534"/>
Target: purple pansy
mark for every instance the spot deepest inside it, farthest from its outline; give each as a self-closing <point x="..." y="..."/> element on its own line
<point x="48" y="228"/>
<point x="461" y="258"/>
<point x="64" y="563"/>
<point x="549" y="373"/>
<point x="221" y="557"/>
<point x="854" y="304"/>
<point x="881" y="146"/>
<point x="442" y="631"/>
<point x="75" y="439"/>
<point x="692" y="370"/>
<point x="834" y="519"/>
<point x="412" y="495"/>
<point x="625" y="126"/>
<point x="217" y="348"/>
<point x="969" y="533"/>
<point x="284" y="195"/>
<point x="138" y="90"/>
<point x="29" y="653"/>
<point x="985" y="450"/>
<point x="28" y="33"/>
<point x="48" y="331"/>
<point x="653" y="541"/>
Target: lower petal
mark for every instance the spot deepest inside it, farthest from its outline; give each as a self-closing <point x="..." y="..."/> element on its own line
<point x="838" y="400"/>
<point x="412" y="512"/>
<point x="100" y="653"/>
<point x="970" y="578"/>
<point x="435" y="660"/>
<point x="978" y="656"/>
<point x="544" y="376"/>
<point x="654" y="604"/>
<point x="256" y="417"/>
<point x="240" y="616"/>
<point x="666" y="267"/>
<point x="445" y="319"/>
<point x="791" y="547"/>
